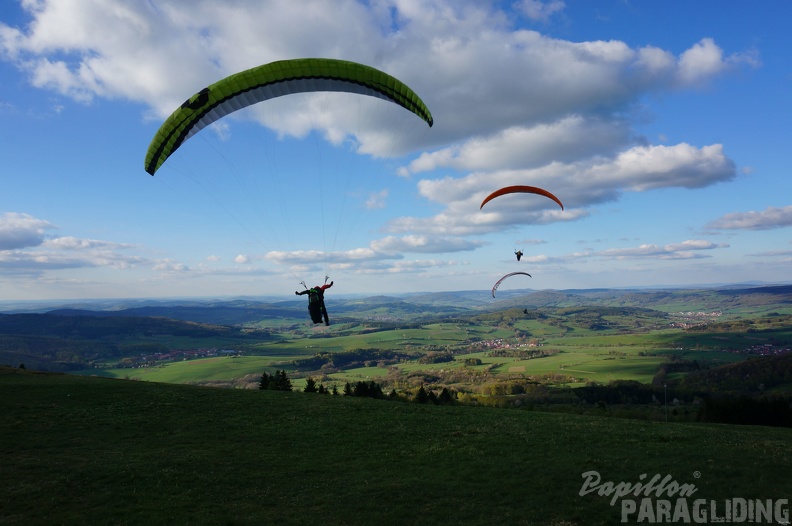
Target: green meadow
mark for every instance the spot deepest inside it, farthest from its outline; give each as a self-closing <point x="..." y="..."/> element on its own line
<point x="221" y="368"/>
<point x="80" y="450"/>
<point x="579" y="353"/>
<point x="584" y="366"/>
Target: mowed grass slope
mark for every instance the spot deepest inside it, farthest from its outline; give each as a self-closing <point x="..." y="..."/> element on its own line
<point x="220" y="368"/>
<point x="80" y="450"/>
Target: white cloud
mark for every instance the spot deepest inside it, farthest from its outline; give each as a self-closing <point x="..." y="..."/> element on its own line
<point x="683" y="166"/>
<point x="701" y="61"/>
<point x="684" y="250"/>
<point x="538" y="10"/>
<point x="25" y="249"/>
<point x="317" y="257"/>
<point x="168" y="265"/>
<point x="705" y="60"/>
<point x="424" y="244"/>
<point x="383" y="256"/>
<point x="770" y="218"/>
<point x="567" y="139"/>
<point x="160" y="54"/>
<point x="578" y="185"/>
<point x="511" y="106"/>
<point x="19" y="230"/>
<point x="376" y="200"/>
<point x="75" y="243"/>
<point x="37" y="261"/>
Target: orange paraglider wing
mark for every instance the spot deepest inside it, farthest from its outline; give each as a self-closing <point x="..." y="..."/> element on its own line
<point x="520" y="189"/>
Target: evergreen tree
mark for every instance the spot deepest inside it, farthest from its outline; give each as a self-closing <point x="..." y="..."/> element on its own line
<point x="421" y="396"/>
<point x="375" y="391"/>
<point x="347" y="389"/>
<point x="360" y="389"/>
<point x="265" y="381"/>
<point x="322" y="389"/>
<point x="433" y="398"/>
<point x="445" y="397"/>
<point x="335" y="390"/>
<point x="282" y="382"/>
<point x="310" y="385"/>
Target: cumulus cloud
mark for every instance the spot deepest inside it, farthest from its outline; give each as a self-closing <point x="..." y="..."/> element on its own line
<point x="75" y="243"/>
<point x="38" y="261"/>
<point x="19" y="230"/>
<point x="538" y="10"/>
<point x="568" y="139"/>
<point x="578" y="185"/>
<point x="168" y="265"/>
<point x="24" y="248"/>
<point x="511" y="106"/>
<point x="770" y="218"/>
<point x="685" y="250"/>
<point x="160" y="54"/>
<point x="705" y="60"/>
<point x="424" y="244"/>
<point x="362" y="261"/>
<point x="562" y="121"/>
<point x="701" y="61"/>
<point x="318" y="256"/>
<point x="384" y="255"/>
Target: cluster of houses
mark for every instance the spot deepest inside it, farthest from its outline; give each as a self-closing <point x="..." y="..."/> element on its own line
<point x="500" y="343"/>
<point x="693" y="318"/>
<point x="700" y="314"/>
<point x="765" y="349"/>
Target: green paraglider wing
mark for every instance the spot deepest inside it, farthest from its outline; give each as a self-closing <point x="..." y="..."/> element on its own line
<point x="522" y="189"/>
<point x="497" y="284"/>
<point x="272" y="80"/>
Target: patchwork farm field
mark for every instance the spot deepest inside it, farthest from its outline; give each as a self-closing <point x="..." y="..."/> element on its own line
<point x="567" y="349"/>
<point x="553" y="339"/>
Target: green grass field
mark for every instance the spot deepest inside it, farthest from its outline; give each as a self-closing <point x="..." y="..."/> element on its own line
<point x="583" y="345"/>
<point x="585" y="366"/>
<point x="221" y="368"/>
<point x="97" y="451"/>
<point x="585" y="355"/>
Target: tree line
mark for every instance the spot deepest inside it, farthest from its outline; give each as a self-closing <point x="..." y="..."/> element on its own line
<point x="279" y="381"/>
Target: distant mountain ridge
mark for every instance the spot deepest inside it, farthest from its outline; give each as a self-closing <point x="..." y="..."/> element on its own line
<point x="415" y="306"/>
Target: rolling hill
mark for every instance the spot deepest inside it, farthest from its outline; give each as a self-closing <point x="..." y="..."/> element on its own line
<point x="96" y="451"/>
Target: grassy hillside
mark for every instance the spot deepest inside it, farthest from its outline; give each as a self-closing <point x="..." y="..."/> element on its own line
<point x="82" y="450"/>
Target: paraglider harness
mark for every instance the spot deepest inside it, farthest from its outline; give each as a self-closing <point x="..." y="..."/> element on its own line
<point x="315" y="301"/>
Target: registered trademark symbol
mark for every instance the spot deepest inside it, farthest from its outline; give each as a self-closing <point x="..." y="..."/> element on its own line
<point x="697" y="474"/>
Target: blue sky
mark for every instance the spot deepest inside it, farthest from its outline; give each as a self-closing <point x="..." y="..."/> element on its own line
<point x="663" y="126"/>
